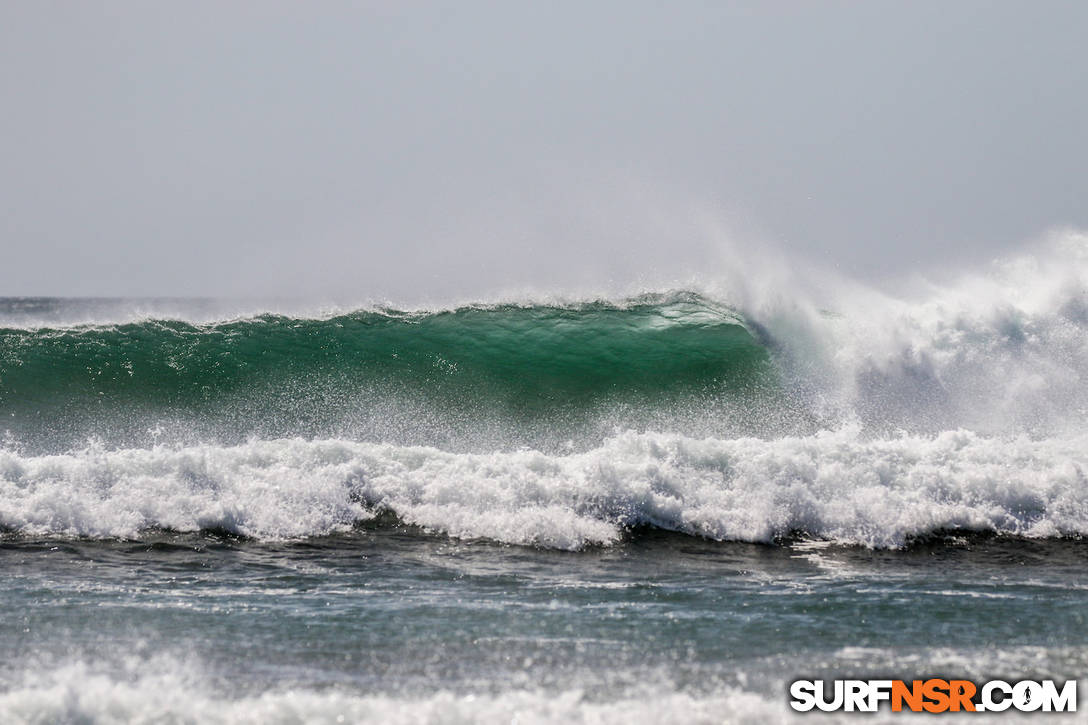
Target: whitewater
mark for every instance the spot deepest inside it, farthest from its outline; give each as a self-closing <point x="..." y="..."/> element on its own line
<point x="833" y="486"/>
<point x="542" y="508"/>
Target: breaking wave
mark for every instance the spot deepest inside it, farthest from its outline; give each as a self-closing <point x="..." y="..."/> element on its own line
<point x="861" y="418"/>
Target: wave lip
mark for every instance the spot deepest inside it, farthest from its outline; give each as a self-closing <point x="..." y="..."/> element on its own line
<point x="836" y="486"/>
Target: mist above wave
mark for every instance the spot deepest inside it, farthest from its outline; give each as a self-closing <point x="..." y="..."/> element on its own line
<point x="1002" y="349"/>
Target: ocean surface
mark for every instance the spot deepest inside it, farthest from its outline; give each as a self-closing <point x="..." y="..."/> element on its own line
<point x="653" y="507"/>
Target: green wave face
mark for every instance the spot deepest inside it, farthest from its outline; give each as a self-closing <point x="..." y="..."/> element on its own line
<point x="275" y="374"/>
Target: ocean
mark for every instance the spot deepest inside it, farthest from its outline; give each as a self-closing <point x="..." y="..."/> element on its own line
<point x="661" y="506"/>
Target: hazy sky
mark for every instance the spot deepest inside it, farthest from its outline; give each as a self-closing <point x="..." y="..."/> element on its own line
<point x="409" y="150"/>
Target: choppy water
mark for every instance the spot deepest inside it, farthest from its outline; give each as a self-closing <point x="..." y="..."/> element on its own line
<point x="397" y="625"/>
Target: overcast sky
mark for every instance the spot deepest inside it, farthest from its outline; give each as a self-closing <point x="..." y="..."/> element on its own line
<point x="408" y="150"/>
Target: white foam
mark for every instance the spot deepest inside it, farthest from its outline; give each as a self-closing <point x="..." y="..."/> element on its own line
<point x="165" y="690"/>
<point x="839" y="486"/>
<point x="77" y="693"/>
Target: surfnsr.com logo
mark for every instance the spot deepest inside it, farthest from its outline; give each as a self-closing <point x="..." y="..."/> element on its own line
<point x="933" y="695"/>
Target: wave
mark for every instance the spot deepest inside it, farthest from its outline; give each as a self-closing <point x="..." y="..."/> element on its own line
<point x="1003" y="351"/>
<point x="861" y="418"/>
<point x="836" y="486"/>
<point x="276" y="375"/>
